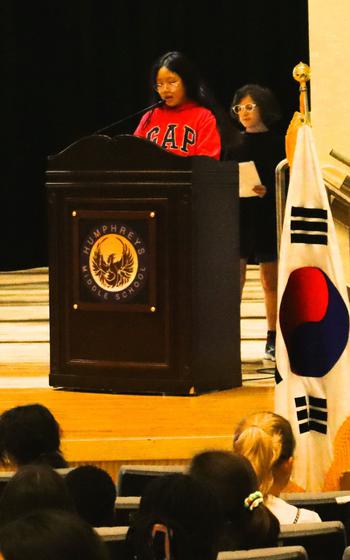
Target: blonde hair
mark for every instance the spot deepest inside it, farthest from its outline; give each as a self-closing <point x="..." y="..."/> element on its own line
<point x="266" y="439"/>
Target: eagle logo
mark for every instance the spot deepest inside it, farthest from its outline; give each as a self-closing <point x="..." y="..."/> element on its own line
<point x="113" y="263"/>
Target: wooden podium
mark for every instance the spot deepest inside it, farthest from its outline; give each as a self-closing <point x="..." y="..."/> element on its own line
<point x="144" y="269"/>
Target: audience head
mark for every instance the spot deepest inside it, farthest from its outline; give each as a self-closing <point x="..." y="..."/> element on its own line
<point x="265" y="100"/>
<point x="178" y="517"/>
<point x="232" y="479"/>
<point x="33" y="487"/>
<point x="30" y="434"/>
<point x="94" y="494"/>
<point x="50" y="535"/>
<point x="267" y="440"/>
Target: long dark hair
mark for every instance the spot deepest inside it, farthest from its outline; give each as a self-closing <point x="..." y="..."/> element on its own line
<point x="188" y="510"/>
<point x="231" y="478"/>
<point x="196" y="90"/>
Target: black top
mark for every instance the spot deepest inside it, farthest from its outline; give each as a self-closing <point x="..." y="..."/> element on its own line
<point x="258" y="239"/>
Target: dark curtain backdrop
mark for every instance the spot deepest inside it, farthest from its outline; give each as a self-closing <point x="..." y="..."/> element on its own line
<point x="71" y="67"/>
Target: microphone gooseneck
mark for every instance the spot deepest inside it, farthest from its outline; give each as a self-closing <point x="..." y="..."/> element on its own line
<point x="109" y="126"/>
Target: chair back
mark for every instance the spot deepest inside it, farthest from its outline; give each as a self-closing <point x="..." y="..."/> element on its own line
<point x="114" y="539"/>
<point x="275" y="553"/>
<point x="133" y="479"/>
<point x="5" y="476"/>
<point x="323" y="541"/>
<point x="330" y="506"/>
<point x="125" y="509"/>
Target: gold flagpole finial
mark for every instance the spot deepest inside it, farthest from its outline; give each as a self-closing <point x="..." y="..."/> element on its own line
<point x="302" y="73"/>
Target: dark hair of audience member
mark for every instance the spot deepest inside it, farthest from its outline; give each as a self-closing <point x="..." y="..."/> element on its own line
<point x="33" y="487"/>
<point x="189" y="513"/>
<point x="30" y="434"/>
<point x="232" y="479"/>
<point x="94" y="493"/>
<point x="51" y="535"/>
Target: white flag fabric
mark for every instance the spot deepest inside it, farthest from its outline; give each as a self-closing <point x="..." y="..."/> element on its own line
<point x="312" y="345"/>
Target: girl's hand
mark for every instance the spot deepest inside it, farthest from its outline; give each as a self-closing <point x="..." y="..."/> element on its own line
<point x="260" y="190"/>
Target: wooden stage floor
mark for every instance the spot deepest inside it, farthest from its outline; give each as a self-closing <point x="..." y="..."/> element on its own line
<point x="109" y="430"/>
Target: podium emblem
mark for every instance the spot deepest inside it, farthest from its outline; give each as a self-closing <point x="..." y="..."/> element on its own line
<point x="113" y="262"/>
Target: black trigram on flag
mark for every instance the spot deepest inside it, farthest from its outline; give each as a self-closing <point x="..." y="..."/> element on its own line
<point x="309" y="225"/>
<point x="312" y="414"/>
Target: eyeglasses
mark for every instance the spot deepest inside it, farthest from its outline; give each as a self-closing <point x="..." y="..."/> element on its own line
<point x="171" y="86"/>
<point x="247" y="107"/>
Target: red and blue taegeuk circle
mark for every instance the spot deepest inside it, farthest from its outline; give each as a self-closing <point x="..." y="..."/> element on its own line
<point x="314" y="322"/>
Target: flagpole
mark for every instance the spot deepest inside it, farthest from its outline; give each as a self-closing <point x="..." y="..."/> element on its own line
<point x="302" y="73"/>
<point x="312" y="342"/>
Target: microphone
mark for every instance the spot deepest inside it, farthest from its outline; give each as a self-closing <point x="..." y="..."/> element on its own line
<point x="157" y="104"/>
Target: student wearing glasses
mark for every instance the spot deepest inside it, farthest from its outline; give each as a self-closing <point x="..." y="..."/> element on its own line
<point x="256" y="109"/>
<point x="189" y="123"/>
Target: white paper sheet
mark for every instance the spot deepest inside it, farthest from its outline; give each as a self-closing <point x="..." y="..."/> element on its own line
<point x="248" y="179"/>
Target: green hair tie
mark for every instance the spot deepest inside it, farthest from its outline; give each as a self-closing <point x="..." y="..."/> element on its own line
<point x="253" y="500"/>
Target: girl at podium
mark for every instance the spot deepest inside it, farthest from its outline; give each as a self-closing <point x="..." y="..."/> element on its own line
<point x="189" y="122"/>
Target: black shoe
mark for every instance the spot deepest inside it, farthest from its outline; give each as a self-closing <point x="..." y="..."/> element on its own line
<point x="270" y="346"/>
<point x="270" y="351"/>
